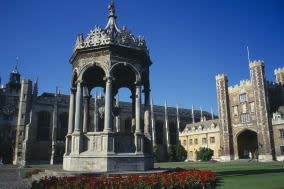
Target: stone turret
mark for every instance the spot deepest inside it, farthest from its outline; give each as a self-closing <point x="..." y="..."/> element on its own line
<point x="226" y="140"/>
<point x="279" y="75"/>
<point x="265" y="135"/>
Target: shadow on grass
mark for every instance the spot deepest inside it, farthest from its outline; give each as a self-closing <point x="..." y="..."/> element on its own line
<point x="222" y="174"/>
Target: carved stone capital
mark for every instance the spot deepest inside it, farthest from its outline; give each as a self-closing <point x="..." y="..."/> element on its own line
<point x="109" y="78"/>
<point x="73" y="90"/>
<point x="88" y="97"/>
<point x="138" y="83"/>
<point x="79" y="81"/>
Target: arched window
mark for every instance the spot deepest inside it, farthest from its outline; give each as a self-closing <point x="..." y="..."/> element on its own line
<point x="43" y="125"/>
<point x="63" y="126"/>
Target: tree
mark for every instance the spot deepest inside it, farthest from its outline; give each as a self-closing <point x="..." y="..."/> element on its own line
<point x="204" y="154"/>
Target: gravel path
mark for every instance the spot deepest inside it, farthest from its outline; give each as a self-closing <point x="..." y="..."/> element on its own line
<point x="10" y="178"/>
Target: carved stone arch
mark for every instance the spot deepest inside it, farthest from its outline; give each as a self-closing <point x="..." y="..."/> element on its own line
<point x="131" y="66"/>
<point x="243" y="130"/>
<point x="103" y="66"/>
<point x="246" y="143"/>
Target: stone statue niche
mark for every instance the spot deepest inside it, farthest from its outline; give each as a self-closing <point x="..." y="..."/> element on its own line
<point x="109" y="58"/>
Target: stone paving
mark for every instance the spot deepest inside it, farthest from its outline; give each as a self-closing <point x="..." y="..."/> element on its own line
<point x="10" y="178"/>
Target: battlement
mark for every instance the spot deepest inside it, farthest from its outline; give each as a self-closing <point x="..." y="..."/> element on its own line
<point x="256" y="63"/>
<point x="221" y="76"/>
<point x="243" y="83"/>
<point x="278" y="71"/>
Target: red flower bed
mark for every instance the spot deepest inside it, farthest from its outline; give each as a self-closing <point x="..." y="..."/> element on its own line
<point x="186" y="179"/>
<point x="28" y="174"/>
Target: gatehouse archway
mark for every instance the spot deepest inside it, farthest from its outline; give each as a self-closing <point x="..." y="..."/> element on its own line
<point x="247" y="142"/>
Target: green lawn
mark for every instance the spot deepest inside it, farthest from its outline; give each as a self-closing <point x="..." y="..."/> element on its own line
<point x="229" y="175"/>
<point x="41" y="166"/>
<point x="239" y="175"/>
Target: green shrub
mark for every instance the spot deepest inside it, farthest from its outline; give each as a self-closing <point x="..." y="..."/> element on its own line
<point x="204" y="154"/>
<point x="176" y="153"/>
<point x="181" y="153"/>
<point x="156" y="153"/>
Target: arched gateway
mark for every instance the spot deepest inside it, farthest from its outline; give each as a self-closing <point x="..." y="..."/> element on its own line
<point x="110" y="58"/>
<point x="247" y="143"/>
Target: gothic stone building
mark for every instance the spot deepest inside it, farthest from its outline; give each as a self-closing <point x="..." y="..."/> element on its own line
<point x="251" y="119"/>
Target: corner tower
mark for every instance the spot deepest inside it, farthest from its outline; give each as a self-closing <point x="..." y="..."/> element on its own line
<point x="110" y="58"/>
<point x="279" y="75"/>
<point x="264" y="127"/>
<point x="226" y="141"/>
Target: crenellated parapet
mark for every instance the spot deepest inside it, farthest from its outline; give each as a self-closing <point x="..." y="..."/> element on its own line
<point x="243" y="84"/>
<point x="221" y="76"/>
<point x="278" y="71"/>
<point x="279" y="75"/>
<point x="256" y="63"/>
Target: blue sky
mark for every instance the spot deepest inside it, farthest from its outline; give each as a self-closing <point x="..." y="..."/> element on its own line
<point x="190" y="41"/>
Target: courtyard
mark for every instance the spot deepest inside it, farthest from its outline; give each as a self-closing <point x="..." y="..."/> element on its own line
<point x="229" y="175"/>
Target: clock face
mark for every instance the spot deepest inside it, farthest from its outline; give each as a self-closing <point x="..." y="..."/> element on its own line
<point x="8" y="109"/>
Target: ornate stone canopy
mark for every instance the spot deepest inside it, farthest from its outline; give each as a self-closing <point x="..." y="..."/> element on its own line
<point x="111" y="35"/>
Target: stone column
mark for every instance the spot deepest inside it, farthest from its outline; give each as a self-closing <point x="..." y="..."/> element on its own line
<point x="133" y="111"/>
<point x="153" y="124"/>
<point x="117" y="117"/>
<point x="138" y="132"/>
<point x="78" y="113"/>
<point x="76" y="136"/>
<point x="86" y="113"/>
<point x="138" y="109"/>
<point x="147" y="112"/>
<point x="108" y="105"/>
<point x="70" y="121"/>
<point x="96" y="116"/>
<point x="71" y="111"/>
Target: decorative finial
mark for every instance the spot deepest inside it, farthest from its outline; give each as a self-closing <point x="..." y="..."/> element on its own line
<point x="212" y="113"/>
<point x="111" y="9"/>
<point x="16" y="66"/>
<point x="248" y="54"/>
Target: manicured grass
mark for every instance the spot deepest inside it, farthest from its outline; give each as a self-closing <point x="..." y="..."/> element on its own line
<point x="239" y="175"/>
<point x="41" y="166"/>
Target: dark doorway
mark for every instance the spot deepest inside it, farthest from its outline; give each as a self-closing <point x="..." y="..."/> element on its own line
<point x="247" y="142"/>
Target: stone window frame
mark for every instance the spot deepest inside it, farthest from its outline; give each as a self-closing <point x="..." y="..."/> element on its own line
<point x="204" y="142"/>
<point x="281" y="148"/>
<point x="252" y="107"/>
<point x="243" y="97"/>
<point x="235" y="111"/>
<point x="244" y="108"/>
<point x="184" y="142"/>
<point x="281" y="133"/>
<point x="196" y="141"/>
<point x="245" y="118"/>
<point x="212" y="140"/>
<point x="190" y="142"/>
